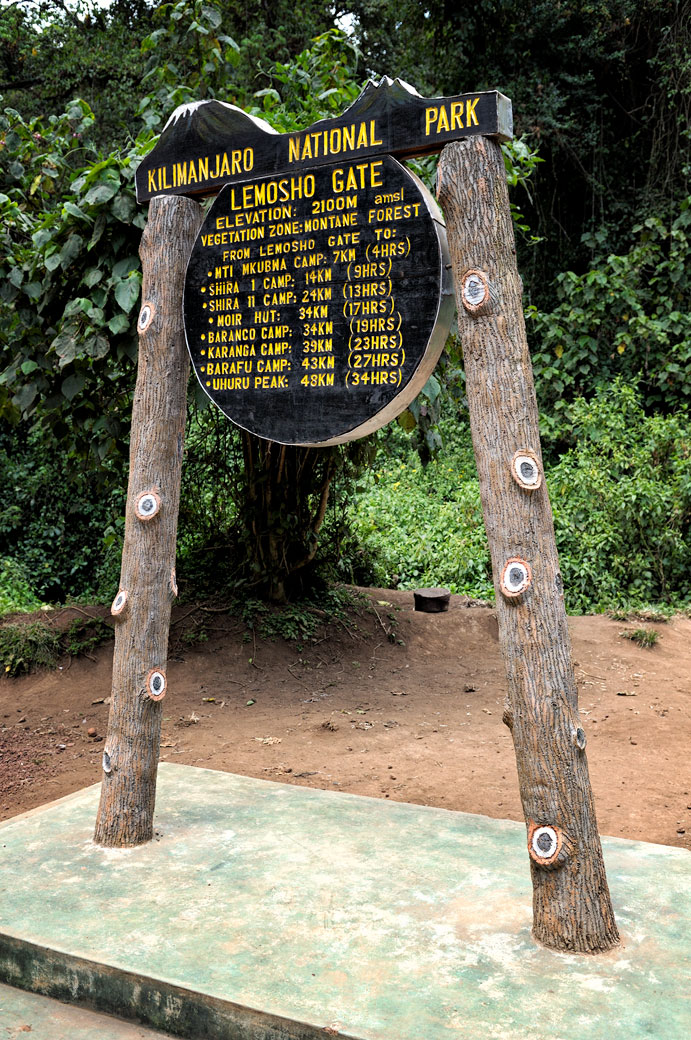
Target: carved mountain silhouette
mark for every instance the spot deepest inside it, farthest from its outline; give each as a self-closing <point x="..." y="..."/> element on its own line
<point x="203" y="130"/>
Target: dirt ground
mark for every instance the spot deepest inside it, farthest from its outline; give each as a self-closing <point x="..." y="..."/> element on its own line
<point x="417" y="719"/>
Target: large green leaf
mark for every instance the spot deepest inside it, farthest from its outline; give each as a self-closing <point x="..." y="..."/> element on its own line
<point x="71" y="249"/>
<point x="66" y="344"/>
<point x="25" y="397"/>
<point x="73" y="384"/>
<point x="105" y="188"/>
<point x="124" y="207"/>
<point x="96" y="346"/>
<point x="118" y="324"/>
<point x="75" y="211"/>
<point x="92" y="276"/>
<point x="127" y="292"/>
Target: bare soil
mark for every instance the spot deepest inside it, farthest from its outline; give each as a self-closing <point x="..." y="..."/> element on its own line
<point x="416" y="719"/>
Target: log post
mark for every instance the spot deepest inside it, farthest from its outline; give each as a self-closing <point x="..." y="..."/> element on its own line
<point x="572" y="909"/>
<point x="142" y="606"/>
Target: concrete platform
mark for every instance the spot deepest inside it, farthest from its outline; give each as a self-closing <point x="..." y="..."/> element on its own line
<point x="264" y="911"/>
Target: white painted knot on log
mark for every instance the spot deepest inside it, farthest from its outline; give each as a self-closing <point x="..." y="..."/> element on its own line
<point x="107" y="764"/>
<point x="146" y="316"/>
<point x="548" y="845"/>
<point x="173" y="583"/>
<point x="516" y="577"/>
<point x="155" y="684"/>
<point x="475" y="292"/>
<point x="525" y="470"/>
<point x="579" y="738"/>
<point x="147" y="505"/>
<point x="117" y="607"/>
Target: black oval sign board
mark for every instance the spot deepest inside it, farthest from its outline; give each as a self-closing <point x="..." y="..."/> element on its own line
<point x="317" y="304"/>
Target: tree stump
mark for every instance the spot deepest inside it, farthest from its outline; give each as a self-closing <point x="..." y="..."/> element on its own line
<point x="147" y="584"/>
<point x="572" y="909"/>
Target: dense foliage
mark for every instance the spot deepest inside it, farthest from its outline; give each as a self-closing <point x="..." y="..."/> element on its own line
<point x="601" y="87"/>
<point x="621" y="503"/>
<point x="599" y="180"/>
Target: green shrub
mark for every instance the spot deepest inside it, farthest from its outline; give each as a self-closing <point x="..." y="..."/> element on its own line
<point x="24" y="647"/>
<point x="621" y="499"/>
<point x="423" y="524"/>
<point x="622" y="503"/>
<point x="59" y="523"/>
<point x="29" y="645"/>
<point x="16" y="594"/>
<point x="628" y="316"/>
<point x="646" y="638"/>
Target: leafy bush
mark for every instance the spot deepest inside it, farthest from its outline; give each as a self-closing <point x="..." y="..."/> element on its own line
<point x="16" y="594"/>
<point x="58" y="525"/>
<point x="622" y="503"/>
<point x="423" y="524"/>
<point x="27" y="646"/>
<point x="621" y="499"/>
<point x="646" y="638"/>
<point x="628" y="315"/>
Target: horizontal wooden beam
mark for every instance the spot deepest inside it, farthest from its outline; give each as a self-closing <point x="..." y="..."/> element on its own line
<point x="208" y="144"/>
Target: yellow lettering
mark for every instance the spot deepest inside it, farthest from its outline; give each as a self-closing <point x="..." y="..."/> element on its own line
<point x="294" y="149"/>
<point x="457" y="115"/>
<point x="151" y="181"/>
<point x="470" y="117"/>
<point x="373" y="133"/>
<point x="349" y="136"/>
<point x="225" y="165"/>
<point x="443" y="123"/>
<point x="362" y="141"/>
<point x="431" y="116"/>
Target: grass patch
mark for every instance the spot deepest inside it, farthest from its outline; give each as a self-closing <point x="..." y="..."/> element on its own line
<point x="297" y="622"/>
<point x="27" y="646"/>
<point x="644" y="637"/>
<point x="652" y="615"/>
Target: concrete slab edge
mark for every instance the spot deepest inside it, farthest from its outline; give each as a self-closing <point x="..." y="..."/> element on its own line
<point x="150" y="1002"/>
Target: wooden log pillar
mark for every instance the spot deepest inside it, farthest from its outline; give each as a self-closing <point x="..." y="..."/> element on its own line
<point x="572" y="909"/>
<point x="147" y="582"/>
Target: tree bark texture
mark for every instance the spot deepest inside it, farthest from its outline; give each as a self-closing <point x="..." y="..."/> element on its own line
<point x="147" y="582"/>
<point x="572" y="909"/>
<point x="286" y="495"/>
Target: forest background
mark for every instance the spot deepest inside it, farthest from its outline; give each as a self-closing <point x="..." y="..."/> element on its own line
<point x="598" y="175"/>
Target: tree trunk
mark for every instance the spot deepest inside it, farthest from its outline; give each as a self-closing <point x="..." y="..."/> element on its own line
<point x="571" y="903"/>
<point x="285" y="497"/>
<point x="147" y="582"/>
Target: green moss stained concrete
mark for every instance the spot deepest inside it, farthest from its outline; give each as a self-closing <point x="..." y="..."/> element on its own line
<point x="264" y="911"/>
<point x="23" y="1013"/>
